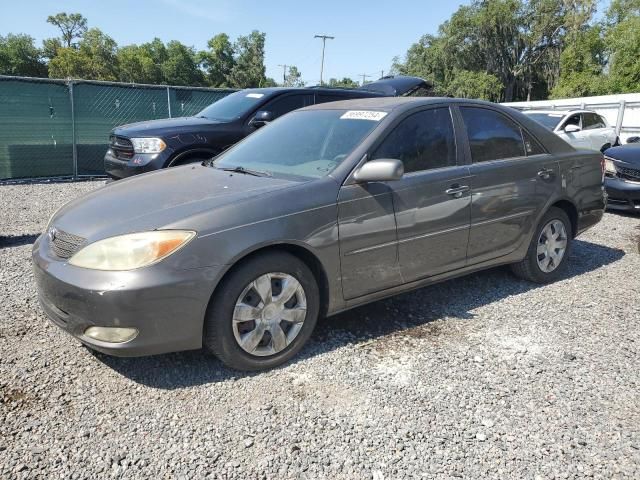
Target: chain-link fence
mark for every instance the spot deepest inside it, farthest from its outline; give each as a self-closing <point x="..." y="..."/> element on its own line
<point x="60" y="128"/>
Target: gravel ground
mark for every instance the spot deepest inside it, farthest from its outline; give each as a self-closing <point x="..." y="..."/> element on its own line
<point x="480" y="377"/>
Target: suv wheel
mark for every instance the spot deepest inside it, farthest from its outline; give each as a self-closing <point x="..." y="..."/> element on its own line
<point x="550" y="247"/>
<point x="264" y="312"/>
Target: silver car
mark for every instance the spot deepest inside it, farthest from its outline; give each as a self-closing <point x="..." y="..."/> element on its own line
<point x="325" y="209"/>
<point x="581" y="128"/>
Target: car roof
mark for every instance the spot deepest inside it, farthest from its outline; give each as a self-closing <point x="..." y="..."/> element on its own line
<point x="563" y="112"/>
<point x="269" y="91"/>
<point x="399" y="104"/>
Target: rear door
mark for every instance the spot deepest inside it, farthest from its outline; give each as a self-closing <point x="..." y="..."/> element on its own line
<point x="511" y="180"/>
<point x="595" y="130"/>
<point x="432" y="200"/>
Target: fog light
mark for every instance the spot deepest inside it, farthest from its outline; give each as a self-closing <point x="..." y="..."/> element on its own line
<point x="111" y="334"/>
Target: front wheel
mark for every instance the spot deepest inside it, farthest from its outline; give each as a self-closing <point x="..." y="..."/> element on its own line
<point x="263" y="313"/>
<point x="550" y="246"/>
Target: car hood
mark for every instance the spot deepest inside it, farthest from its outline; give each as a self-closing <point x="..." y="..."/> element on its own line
<point x="163" y="126"/>
<point x="629" y="153"/>
<point x="160" y="199"/>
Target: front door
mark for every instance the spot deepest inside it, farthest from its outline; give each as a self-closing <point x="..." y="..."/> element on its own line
<point x="577" y="139"/>
<point x="511" y="177"/>
<point x="432" y="199"/>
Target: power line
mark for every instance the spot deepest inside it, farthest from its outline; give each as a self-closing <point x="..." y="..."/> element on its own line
<point x="364" y="77"/>
<point x="324" y="41"/>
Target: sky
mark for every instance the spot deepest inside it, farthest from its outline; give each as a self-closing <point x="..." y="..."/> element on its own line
<point x="368" y="34"/>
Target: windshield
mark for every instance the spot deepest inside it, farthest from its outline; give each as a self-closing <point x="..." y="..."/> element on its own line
<point x="233" y="106"/>
<point x="549" y="120"/>
<point x="306" y="144"/>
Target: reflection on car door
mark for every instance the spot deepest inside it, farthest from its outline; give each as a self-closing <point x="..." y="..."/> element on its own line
<point x="511" y="179"/>
<point x="595" y="130"/>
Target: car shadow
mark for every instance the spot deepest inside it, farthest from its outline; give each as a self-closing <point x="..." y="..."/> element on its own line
<point x="455" y="298"/>
<point x="7" y="241"/>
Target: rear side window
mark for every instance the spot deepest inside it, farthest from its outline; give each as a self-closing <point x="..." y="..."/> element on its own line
<point x="423" y="141"/>
<point x="286" y="104"/>
<point x="492" y="136"/>
<point x="591" y="121"/>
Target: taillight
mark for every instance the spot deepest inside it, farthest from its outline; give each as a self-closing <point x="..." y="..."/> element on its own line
<point x="602" y="166"/>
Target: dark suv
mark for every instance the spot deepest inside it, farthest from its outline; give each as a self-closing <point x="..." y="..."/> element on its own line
<point x="155" y="144"/>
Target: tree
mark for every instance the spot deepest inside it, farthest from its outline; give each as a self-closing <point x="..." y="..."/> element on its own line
<point x="137" y="65"/>
<point x="181" y="66"/>
<point x="480" y="85"/>
<point x="19" y="56"/>
<point x="95" y="58"/>
<point x="71" y="26"/>
<point x="218" y="61"/>
<point x="293" y="78"/>
<point x="249" y="69"/>
<point x="346" y="82"/>
<point x="623" y="39"/>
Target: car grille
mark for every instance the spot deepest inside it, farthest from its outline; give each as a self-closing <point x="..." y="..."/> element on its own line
<point x="64" y="244"/>
<point x="628" y="173"/>
<point x="122" y="147"/>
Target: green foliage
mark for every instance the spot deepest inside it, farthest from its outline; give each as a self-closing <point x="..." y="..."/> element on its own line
<point x="181" y="67"/>
<point x="218" y="61"/>
<point x="71" y="26"/>
<point x="346" y="82"/>
<point x="95" y="58"/>
<point x="623" y="38"/>
<point x="482" y="85"/>
<point x="293" y="78"/>
<point x="249" y="70"/>
<point x="137" y="65"/>
<point x="19" y="56"/>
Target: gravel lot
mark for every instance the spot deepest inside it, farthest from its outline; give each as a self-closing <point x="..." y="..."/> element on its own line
<point x="480" y="377"/>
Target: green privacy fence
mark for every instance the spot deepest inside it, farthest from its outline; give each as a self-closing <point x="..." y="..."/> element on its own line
<point x="60" y="128"/>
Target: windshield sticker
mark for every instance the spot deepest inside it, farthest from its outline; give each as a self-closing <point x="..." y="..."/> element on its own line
<point x="255" y="95"/>
<point x="363" y="115"/>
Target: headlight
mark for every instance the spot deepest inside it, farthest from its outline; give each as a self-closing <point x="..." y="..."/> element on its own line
<point x="148" y="145"/>
<point x="135" y="250"/>
<point x="609" y="166"/>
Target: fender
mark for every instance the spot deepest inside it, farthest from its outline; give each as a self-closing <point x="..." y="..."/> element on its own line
<point x="186" y="153"/>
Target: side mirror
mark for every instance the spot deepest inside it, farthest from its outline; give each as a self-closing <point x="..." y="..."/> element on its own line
<point x="261" y="119"/>
<point x="571" y="128"/>
<point x="381" y="170"/>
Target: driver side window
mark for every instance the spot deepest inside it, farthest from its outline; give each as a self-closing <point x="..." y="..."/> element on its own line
<point x="423" y="141"/>
<point x="572" y="120"/>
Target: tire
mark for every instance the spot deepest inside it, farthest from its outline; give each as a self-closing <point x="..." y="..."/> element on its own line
<point x="617" y="143"/>
<point x="222" y="334"/>
<point x="530" y="267"/>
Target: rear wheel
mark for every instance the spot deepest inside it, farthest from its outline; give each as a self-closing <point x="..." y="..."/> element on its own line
<point x="550" y="246"/>
<point x="263" y="313"/>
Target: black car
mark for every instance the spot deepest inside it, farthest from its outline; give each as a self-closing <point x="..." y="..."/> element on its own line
<point x="622" y="167"/>
<point x="155" y="144"/>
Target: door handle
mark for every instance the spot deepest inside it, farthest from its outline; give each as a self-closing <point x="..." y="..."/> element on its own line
<point x="545" y="173"/>
<point x="456" y="190"/>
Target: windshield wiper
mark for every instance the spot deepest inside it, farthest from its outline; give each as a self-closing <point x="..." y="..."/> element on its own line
<point x="246" y="171"/>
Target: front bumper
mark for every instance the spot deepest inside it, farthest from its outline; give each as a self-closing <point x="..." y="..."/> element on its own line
<point x="118" y="168"/>
<point x="623" y="195"/>
<point x="167" y="306"/>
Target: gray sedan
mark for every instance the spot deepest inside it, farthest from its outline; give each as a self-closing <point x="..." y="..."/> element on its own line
<point x="327" y="208"/>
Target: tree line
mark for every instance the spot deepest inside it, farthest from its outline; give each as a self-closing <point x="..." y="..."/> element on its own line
<point x="89" y="53"/>
<point x="509" y="50"/>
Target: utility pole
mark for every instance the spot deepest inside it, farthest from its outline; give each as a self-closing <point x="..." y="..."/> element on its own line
<point x="381" y="73"/>
<point x="284" y="73"/>
<point x="324" y="41"/>
<point x="364" y="77"/>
